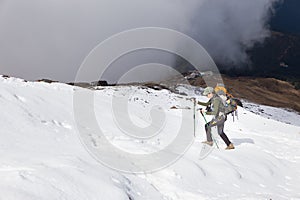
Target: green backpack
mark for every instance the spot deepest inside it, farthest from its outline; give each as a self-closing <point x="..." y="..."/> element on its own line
<point x="230" y="105"/>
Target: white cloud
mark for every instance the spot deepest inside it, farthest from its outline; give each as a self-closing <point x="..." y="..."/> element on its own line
<point x="50" y="38"/>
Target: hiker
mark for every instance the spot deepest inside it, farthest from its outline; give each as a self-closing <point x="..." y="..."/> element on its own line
<point x="216" y="108"/>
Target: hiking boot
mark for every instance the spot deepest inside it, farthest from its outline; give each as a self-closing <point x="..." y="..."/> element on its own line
<point x="230" y="146"/>
<point x="210" y="143"/>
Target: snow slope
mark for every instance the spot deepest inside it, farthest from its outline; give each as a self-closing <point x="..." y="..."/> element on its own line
<point x="42" y="157"/>
<point x="279" y="114"/>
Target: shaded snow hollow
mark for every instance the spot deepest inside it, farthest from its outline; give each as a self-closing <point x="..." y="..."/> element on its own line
<point x="41" y="155"/>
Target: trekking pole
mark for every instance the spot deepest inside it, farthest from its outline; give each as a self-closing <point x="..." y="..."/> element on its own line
<point x="210" y="133"/>
<point x="203" y="117"/>
<point x="194" y="115"/>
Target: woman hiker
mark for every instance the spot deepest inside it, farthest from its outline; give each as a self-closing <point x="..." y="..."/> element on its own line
<point x="216" y="108"/>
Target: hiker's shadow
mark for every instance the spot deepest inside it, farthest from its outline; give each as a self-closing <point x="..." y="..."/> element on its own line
<point x="239" y="141"/>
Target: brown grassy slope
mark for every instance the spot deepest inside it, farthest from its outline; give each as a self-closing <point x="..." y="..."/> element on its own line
<point x="265" y="91"/>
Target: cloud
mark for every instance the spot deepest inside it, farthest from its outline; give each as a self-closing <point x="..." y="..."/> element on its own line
<point x="227" y="28"/>
<point x="50" y="38"/>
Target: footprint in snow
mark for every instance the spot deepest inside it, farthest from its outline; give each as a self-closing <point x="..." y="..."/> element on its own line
<point x="57" y="123"/>
<point x="20" y="98"/>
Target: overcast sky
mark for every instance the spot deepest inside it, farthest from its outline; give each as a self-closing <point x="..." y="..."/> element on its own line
<point x="50" y="38"/>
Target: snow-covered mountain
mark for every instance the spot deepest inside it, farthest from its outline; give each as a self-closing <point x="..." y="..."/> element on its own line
<point x="42" y="155"/>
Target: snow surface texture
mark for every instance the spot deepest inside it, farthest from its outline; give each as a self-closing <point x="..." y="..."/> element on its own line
<point x="42" y="157"/>
<point x="279" y="114"/>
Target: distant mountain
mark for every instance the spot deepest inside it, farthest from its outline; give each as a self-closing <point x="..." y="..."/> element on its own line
<point x="278" y="56"/>
<point x="287" y="17"/>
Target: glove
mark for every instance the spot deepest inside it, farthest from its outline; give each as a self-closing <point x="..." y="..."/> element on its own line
<point x="202" y="110"/>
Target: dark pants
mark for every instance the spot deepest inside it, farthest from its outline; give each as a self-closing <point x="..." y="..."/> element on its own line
<point x="220" y="126"/>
